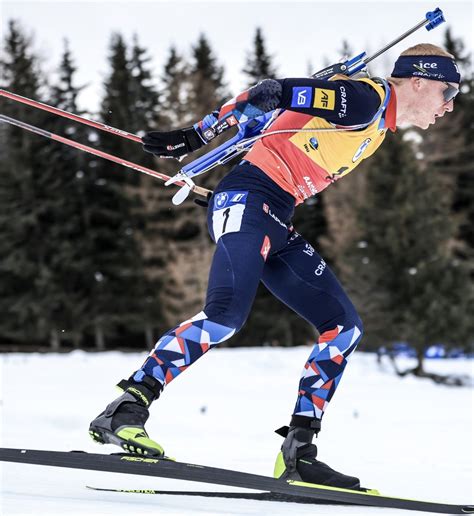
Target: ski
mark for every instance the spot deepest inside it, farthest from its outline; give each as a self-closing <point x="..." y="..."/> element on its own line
<point x="148" y="466"/>
<point x="262" y="496"/>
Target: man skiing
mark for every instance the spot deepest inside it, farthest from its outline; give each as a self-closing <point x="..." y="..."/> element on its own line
<point x="326" y="130"/>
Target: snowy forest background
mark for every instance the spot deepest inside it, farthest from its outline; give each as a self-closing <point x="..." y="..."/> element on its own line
<point x="95" y="256"/>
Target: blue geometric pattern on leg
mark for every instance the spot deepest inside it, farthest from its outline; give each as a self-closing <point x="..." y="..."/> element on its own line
<point x="180" y="347"/>
<point x="323" y="370"/>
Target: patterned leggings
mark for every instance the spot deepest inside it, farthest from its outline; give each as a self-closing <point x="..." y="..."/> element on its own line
<point x="255" y="242"/>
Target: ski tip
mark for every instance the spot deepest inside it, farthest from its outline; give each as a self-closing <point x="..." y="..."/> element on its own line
<point x="468" y="509"/>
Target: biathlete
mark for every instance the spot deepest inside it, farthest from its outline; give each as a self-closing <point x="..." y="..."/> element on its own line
<point x="333" y="125"/>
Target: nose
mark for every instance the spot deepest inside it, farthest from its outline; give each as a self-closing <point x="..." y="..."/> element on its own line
<point x="448" y="106"/>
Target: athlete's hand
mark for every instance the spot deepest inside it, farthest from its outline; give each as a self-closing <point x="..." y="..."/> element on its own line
<point x="172" y="144"/>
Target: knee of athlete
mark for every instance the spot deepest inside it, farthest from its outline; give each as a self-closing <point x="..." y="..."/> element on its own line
<point x="225" y="319"/>
<point x="356" y="322"/>
<point x="221" y="310"/>
<point x="353" y="320"/>
<point x="347" y="332"/>
<point x="200" y="328"/>
<point x="354" y="325"/>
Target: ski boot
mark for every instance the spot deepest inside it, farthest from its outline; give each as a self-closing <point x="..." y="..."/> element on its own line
<point x="297" y="458"/>
<point x="123" y="421"/>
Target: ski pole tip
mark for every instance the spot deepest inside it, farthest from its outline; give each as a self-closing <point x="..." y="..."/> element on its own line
<point x="434" y="18"/>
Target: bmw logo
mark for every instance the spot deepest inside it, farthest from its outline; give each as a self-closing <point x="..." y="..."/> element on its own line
<point x="221" y="200"/>
<point x="361" y="150"/>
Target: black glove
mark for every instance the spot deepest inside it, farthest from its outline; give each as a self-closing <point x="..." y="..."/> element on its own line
<point x="172" y="144"/>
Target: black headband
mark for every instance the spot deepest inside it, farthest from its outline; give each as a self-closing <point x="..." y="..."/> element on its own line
<point x="436" y="68"/>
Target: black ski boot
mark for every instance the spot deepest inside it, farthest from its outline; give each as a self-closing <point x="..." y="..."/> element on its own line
<point x="123" y="421"/>
<point x="297" y="458"/>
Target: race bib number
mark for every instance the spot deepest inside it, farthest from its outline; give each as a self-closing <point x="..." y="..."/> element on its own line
<point x="228" y="212"/>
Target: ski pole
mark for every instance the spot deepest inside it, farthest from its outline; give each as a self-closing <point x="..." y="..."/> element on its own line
<point x="47" y="134"/>
<point x="71" y="116"/>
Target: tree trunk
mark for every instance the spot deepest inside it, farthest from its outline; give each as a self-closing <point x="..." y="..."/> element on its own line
<point x="288" y="335"/>
<point x="54" y="340"/>
<point x="149" y="337"/>
<point x="99" y="337"/>
<point x="419" y="370"/>
<point x="76" y="340"/>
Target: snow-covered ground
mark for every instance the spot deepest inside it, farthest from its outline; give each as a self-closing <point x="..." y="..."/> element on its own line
<point x="406" y="437"/>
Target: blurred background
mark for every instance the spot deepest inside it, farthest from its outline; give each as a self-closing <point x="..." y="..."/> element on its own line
<point x="94" y="256"/>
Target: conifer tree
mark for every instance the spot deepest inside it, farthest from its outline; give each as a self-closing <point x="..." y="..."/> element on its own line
<point x="207" y="91"/>
<point x="146" y="106"/>
<point x="144" y="95"/>
<point x="406" y="257"/>
<point x="174" y="110"/>
<point x="65" y="232"/>
<point x="119" y="289"/>
<point x="259" y="63"/>
<point x="171" y="230"/>
<point x="116" y="108"/>
<point x="190" y="246"/>
<point x="463" y="204"/>
<point x="449" y="151"/>
<point x="23" y="269"/>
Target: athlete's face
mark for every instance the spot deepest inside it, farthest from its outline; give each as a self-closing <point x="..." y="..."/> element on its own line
<point x="430" y="100"/>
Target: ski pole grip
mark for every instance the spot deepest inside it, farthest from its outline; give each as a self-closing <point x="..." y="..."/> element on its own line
<point x="435" y="18"/>
<point x="199" y="190"/>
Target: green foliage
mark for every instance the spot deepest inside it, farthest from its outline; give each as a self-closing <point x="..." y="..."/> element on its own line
<point x="458" y="159"/>
<point x="23" y="268"/>
<point x="124" y="297"/>
<point x="405" y="254"/>
<point x="65" y="238"/>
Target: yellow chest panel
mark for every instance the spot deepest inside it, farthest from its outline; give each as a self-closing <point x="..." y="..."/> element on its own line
<point x="338" y="152"/>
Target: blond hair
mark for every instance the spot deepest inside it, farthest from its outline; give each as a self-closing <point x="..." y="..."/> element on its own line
<point x="426" y="49"/>
<point x="422" y="49"/>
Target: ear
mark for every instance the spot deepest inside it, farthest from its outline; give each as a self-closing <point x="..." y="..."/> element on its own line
<point x="416" y="83"/>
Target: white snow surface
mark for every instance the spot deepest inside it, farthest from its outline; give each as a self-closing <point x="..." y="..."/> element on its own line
<point x="404" y="436"/>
